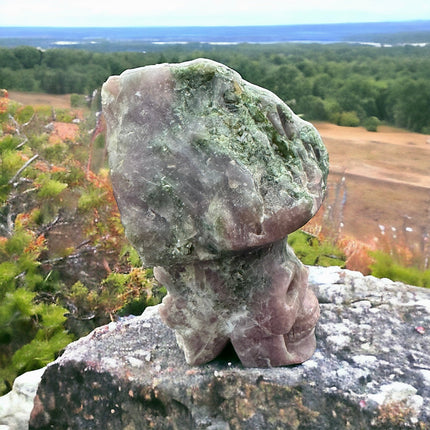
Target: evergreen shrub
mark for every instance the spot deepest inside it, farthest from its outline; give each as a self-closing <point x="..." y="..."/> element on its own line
<point x="371" y="123"/>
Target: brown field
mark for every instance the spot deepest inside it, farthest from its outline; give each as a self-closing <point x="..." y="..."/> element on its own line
<point x="387" y="177"/>
<point x="387" y="182"/>
<point x="58" y="101"/>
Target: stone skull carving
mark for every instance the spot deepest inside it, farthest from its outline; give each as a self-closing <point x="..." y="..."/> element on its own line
<point x="211" y="173"/>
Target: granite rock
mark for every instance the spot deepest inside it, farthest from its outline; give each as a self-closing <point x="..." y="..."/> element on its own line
<point x="211" y="173"/>
<point x="371" y="370"/>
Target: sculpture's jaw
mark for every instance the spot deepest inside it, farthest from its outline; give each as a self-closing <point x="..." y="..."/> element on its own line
<point x="259" y="301"/>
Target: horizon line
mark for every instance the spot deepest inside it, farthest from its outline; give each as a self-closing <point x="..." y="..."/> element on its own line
<point x="217" y="25"/>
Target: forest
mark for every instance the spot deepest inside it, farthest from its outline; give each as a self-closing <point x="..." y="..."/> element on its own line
<point x="346" y="84"/>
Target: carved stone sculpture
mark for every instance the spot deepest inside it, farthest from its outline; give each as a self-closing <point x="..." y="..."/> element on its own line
<point x="211" y="173"/>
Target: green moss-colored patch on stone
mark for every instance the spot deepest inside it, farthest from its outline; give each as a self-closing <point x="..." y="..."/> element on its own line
<point x="234" y="121"/>
<point x="217" y="162"/>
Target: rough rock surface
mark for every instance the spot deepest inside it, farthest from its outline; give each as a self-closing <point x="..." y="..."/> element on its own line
<point x="371" y="370"/>
<point x="210" y="174"/>
<point x="15" y="406"/>
<point x="203" y="162"/>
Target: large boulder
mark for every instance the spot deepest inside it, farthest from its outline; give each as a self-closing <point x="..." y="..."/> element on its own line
<point x="371" y="370"/>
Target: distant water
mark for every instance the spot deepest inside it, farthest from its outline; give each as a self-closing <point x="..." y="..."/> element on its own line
<point x="48" y="37"/>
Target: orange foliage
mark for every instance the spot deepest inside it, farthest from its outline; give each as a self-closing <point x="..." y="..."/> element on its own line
<point x="397" y="248"/>
<point x="37" y="245"/>
<point x="100" y="127"/>
<point x="24" y="157"/>
<point x="23" y="220"/>
<point x="64" y="131"/>
<point x="8" y="128"/>
<point x="102" y="181"/>
<point x="134" y="287"/>
<point x="357" y="254"/>
<point x="105" y="227"/>
<point x="43" y="166"/>
<point x="55" y="169"/>
<point x="356" y="251"/>
<point x="4" y="101"/>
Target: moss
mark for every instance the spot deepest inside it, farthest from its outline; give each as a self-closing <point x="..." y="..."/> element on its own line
<point x="51" y="188"/>
<point x="314" y="252"/>
<point x="396" y="415"/>
<point x="240" y="128"/>
<point x="90" y="199"/>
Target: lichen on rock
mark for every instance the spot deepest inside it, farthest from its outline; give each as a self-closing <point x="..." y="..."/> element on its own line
<point x="132" y="375"/>
<point x="211" y="173"/>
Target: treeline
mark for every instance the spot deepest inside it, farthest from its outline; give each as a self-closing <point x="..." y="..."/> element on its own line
<point x="341" y="83"/>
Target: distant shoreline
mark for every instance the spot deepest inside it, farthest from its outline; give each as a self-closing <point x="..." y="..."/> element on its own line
<point x="410" y="32"/>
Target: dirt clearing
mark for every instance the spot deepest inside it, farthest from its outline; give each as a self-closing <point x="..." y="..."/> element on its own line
<point x="386" y="190"/>
<point x="37" y="99"/>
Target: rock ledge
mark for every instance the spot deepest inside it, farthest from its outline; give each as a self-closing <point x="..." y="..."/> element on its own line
<point x="371" y="370"/>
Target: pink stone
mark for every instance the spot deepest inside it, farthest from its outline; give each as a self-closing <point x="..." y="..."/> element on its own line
<point x="211" y="173"/>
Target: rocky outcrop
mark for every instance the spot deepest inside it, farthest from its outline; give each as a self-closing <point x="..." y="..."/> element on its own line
<point x="371" y="370"/>
<point x="211" y="173"/>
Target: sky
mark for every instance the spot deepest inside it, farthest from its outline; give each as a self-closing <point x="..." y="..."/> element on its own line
<point x="119" y="13"/>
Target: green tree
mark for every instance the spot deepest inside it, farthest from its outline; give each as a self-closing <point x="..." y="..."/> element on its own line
<point x="410" y="104"/>
<point x="8" y="78"/>
<point x="9" y="60"/>
<point x="390" y="83"/>
<point x="322" y="84"/>
<point x="25" y="80"/>
<point x="65" y="266"/>
<point x="54" y="81"/>
<point x="28" y="56"/>
<point x="312" y="108"/>
<point x="349" y="119"/>
<point x="371" y="123"/>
